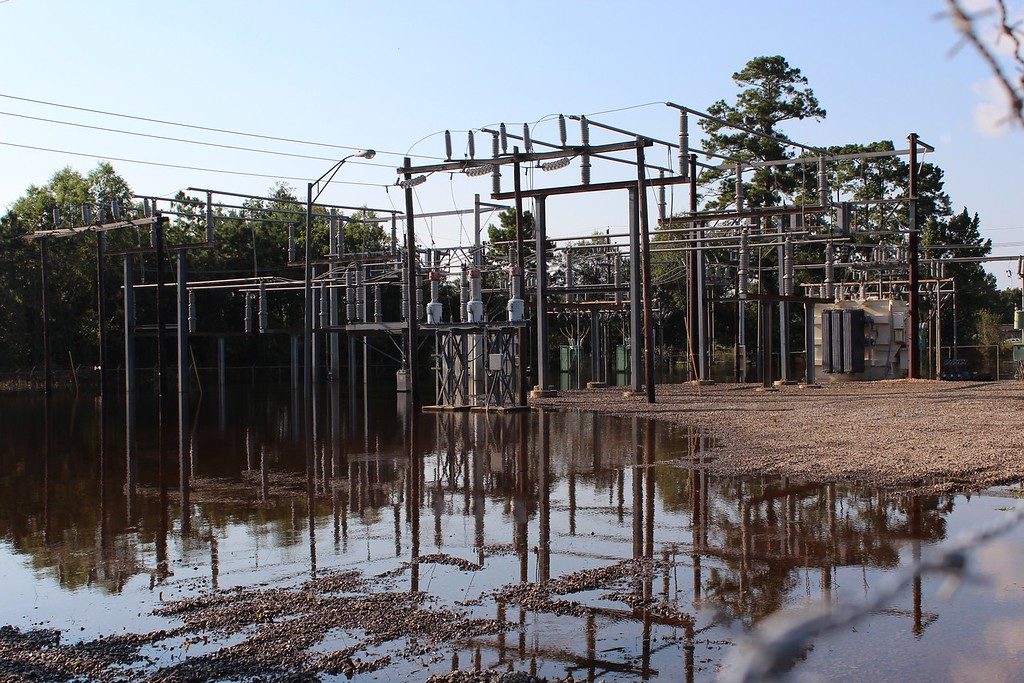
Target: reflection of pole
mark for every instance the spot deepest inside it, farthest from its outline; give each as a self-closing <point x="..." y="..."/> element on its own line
<point x="544" y="541"/>
<point x="649" y="489"/>
<point x="414" y="467"/>
<point x="638" y="520"/>
<point x="915" y="530"/>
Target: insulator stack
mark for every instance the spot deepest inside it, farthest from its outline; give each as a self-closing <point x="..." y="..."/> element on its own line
<point x="325" y="305"/>
<point x="830" y="271"/>
<point x="475" y="306"/>
<point x="562" y="137"/>
<point x="87" y="213"/>
<point x="464" y="294"/>
<point x="527" y="142"/>
<point x="739" y="187"/>
<point x="332" y="233"/>
<point x="378" y="305"/>
<point x="448" y="145"/>
<point x="743" y="278"/>
<point x="661" y="197"/>
<point x="209" y="218"/>
<point x="263" y="315"/>
<point x="789" y="271"/>
<point x="191" y="311"/>
<point x="115" y="210"/>
<point x="684" y="145"/>
<point x="822" y="183"/>
<point x="291" y="243"/>
<point x="360" y="296"/>
<point x="350" y="296"/>
<point x="496" y="173"/>
<point x="248" y="313"/>
<point x="503" y="137"/>
<point x="585" y="158"/>
<point x="471" y="142"/>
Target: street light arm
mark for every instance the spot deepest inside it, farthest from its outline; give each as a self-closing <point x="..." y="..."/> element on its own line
<point x="320" y="184"/>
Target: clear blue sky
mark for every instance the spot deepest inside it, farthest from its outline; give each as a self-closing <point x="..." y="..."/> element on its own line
<point x="385" y="75"/>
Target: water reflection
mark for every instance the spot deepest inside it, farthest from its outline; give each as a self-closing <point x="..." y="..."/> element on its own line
<point x="520" y="498"/>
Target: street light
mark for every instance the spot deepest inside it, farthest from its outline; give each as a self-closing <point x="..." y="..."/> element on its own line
<point x="320" y="184"/>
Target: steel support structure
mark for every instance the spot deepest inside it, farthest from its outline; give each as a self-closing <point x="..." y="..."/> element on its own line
<point x="541" y="287"/>
<point x="645" y="237"/>
<point x="913" y="253"/>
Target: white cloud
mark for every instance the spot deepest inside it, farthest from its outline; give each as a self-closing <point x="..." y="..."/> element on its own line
<point x="992" y="112"/>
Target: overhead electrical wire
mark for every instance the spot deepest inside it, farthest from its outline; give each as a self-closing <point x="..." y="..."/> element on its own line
<point x="205" y="128"/>
<point x="182" y="166"/>
<point x="188" y="141"/>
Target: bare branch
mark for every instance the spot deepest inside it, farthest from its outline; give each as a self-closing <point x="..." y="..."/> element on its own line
<point x="966" y="25"/>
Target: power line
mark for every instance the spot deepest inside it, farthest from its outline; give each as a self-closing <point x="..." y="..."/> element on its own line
<point x="183" y="167"/>
<point x="186" y="140"/>
<point x="206" y="128"/>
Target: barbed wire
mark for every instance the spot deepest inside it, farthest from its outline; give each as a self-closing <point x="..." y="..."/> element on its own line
<point x="768" y="653"/>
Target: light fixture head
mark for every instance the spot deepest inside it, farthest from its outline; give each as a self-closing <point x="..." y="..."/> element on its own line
<point x="366" y="154"/>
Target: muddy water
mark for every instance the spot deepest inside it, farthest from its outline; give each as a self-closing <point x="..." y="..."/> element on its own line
<point x="497" y="525"/>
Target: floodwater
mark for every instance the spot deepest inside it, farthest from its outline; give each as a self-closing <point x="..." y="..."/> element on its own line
<point x="94" y="540"/>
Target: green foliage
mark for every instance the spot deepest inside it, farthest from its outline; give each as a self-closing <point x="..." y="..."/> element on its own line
<point x="502" y="237"/>
<point x="772" y="92"/>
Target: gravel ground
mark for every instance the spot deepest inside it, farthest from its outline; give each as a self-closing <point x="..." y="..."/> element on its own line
<point x="899" y="433"/>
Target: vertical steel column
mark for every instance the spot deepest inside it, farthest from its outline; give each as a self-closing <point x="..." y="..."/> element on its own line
<point x="635" y="310"/>
<point x="101" y="309"/>
<point x="645" y="238"/>
<point x="809" y="343"/>
<point x="410" y="283"/>
<point x="161" y="330"/>
<point x="221" y="360"/>
<point x="521" y="265"/>
<point x="543" y="341"/>
<point x="184" y="458"/>
<point x="334" y="336"/>
<point x="938" y="322"/>
<point x="295" y="361"/>
<point x="783" y="258"/>
<point x="692" y="264"/>
<point x="44" y="276"/>
<point x="913" y="371"/>
<point x="131" y="461"/>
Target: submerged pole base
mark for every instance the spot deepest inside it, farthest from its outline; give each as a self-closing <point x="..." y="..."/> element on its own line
<point x="537" y="392"/>
<point x="597" y="385"/>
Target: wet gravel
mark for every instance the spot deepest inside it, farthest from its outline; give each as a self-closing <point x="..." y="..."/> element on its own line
<point x="254" y="634"/>
<point x="918" y="434"/>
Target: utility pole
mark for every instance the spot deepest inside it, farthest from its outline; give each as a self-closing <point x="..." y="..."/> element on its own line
<point x="645" y="238"/>
<point x="411" y="329"/>
<point x="44" y="268"/>
<point x="913" y="371"/>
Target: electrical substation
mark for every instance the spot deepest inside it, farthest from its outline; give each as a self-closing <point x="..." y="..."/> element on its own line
<point x="488" y="315"/>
